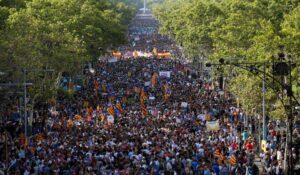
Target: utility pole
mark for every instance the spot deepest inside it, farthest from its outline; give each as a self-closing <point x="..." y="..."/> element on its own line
<point x="144" y="6"/>
<point x="290" y="126"/>
<point x="264" y="104"/>
<point x="25" y="104"/>
<point x="25" y="95"/>
<point x="6" y="148"/>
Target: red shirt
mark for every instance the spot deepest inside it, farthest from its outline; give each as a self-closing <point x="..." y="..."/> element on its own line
<point x="249" y="146"/>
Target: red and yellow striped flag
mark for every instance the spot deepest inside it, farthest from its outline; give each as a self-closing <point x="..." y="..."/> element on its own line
<point x="167" y="93"/>
<point x="153" y="79"/>
<point x="119" y="107"/>
<point x="232" y="160"/>
<point x="143" y="106"/>
<point x="217" y="153"/>
<point x="98" y="108"/>
<point x="110" y="110"/>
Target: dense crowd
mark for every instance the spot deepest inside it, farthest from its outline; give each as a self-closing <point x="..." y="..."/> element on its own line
<point x="130" y="119"/>
<point x="143" y="35"/>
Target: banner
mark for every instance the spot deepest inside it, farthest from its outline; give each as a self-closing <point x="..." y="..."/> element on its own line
<point x="212" y="126"/>
<point x="117" y="54"/>
<point x="164" y="54"/>
<point x="165" y="74"/>
<point x="128" y="54"/>
<point x="113" y="60"/>
<point x="136" y="38"/>
<point x="184" y="105"/>
<point x="110" y="119"/>
<point x="147" y="83"/>
<point x="264" y="145"/>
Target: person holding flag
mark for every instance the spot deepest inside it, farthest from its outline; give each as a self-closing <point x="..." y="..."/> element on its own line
<point x="96" y="87"/>
<point x="167" y="94"/>
<point x="119" y="107"/>
<point x="110" y="109"/>
<point x="154" y="79"/>
<point x="143" y="106"/>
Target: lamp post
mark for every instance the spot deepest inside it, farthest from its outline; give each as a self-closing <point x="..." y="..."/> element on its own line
<point x="279" y="69"/>
<point x="264" y="104"/>
<point x="25" y="71"/>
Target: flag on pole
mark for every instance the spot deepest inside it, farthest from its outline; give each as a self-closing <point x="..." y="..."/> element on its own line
<point x="154" y="79"/>
<point x="70" y="123"/>
<point x="96" y="86"/>
<point x="167" y="92"/>
<point x="110" y="109"/>
<point x="119" y="107"/>
<point x="98" y="108"/>
<point x="143" y="106"/>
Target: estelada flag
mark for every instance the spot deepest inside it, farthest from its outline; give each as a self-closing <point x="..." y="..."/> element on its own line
<point x="217" y="153"/>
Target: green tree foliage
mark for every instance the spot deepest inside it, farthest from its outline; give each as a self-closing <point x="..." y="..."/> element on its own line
<point x="59" y="35"/>
<point x="249" y="29"/>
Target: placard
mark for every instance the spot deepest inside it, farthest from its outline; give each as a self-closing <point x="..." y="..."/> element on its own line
<point x="165" y="74"/>
<point x="212" y="125"/>
<point x="113" y="60"/>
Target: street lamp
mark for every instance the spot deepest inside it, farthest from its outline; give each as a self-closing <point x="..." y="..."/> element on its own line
<point x="25" y="71"/>
<point x="281" y="69"/>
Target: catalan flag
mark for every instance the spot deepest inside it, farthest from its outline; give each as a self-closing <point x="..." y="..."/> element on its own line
<point x="102" y="118"/>
<point x="39" y="137"/>
<point x="96" y="85"/>
<point x="124" y="100"/>
<point x="167" y="92"/>
<point x="143" y="106"/>
<point x="119" y="106"/>
<point x="77" y="117"/>
<point x="221" y="160"/>
<point x="103" y="87"/>
<point x="143" y="95"/>
<point x="98" y="108"/>
<point x="70" y="123"/>
<point x="154" y="79"/>
<point x="232" y="160"/>
<point x="110" y="109"/>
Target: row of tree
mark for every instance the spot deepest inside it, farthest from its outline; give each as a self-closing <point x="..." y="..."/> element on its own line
<point x="252" y="30"/>
<point x="57" y="34"/>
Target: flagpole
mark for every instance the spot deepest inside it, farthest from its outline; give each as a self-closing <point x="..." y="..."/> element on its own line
<point x="144" y="6"/>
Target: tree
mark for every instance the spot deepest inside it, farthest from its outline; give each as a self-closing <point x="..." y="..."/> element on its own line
<point x="59" y="35"/>
<point x="250" y="30"/>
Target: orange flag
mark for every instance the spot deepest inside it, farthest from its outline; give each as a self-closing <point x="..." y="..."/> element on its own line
<point x="153" y="79"/>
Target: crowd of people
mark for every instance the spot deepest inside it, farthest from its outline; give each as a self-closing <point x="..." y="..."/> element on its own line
<point x="142" y="116"/>
<point x="143" y="36"/>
